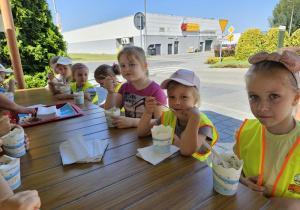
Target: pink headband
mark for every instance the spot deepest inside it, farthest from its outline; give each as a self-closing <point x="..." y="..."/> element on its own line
<point x="289" y="59"/>
<point x="79" y="67"/>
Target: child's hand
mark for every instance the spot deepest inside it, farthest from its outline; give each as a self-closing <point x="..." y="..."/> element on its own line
<point x="26" y="142"/>
<point x="122" y="122"/>
<point x="4" y="126"/>
<point x="110" y="84"/>
<point x="150" y="104"/>
<point x="250" y="182"/>
<point x="61" y="96"/>
<point x="176" y="141"/>
<point x="50" y="76"/>
<point x="22" y="201"/>
<point x="12" y="82"/>
<point x="193" y="111"/>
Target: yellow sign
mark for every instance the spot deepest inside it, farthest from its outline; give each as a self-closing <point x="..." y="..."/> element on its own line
<point x="230" y="38"/>
<point x="192" y="27"/>
<point x="231" y="29"/>
<point x="223" y="24"/>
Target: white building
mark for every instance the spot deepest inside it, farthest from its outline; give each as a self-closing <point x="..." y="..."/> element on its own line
<point x="164" y="33"/>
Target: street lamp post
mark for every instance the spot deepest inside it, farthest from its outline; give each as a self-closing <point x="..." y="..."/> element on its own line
<point x="291" y="19"/>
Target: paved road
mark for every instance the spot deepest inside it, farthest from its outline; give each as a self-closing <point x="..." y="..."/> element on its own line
<point x="223" y="95"/>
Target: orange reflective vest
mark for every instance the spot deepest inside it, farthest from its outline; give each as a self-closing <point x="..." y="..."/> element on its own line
<point x="86" y="86"/>
<point x="251" y="146"/>
<point x="168" y="118"/>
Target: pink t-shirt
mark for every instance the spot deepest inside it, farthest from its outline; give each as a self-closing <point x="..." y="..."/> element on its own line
<point x="134" y="100"/>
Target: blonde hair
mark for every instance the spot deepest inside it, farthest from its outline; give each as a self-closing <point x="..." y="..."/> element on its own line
<point x="272" y="69"/>
<point x="53" y="60"/>
<point x="194" y="90"/>
<point x="105" y="70"/>
<point x="134" y="51"/>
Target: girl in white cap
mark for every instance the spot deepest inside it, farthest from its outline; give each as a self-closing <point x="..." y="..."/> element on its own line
<point x="11" y="84"/>
<point x="270" y="144"/>
<point x="190" y="126"/>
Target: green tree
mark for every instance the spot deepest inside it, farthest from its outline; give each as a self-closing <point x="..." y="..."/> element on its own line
<point x="282" y="15"/>
<point x="250" y="42"/>
<point x="295" y="38"/>
<point x="270" y="39"/>
<point x="38" y="38"/>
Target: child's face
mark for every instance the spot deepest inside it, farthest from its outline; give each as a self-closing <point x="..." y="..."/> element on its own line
<point x="53" y="67"/>
<point x="132" y="70"/>
<point x="64" y="70"/>
<point x="81" y="76"/>
<point x="271" y="102"/>
<point x="100" y="82"/>
<point x="2" y="76"/>
<point x="180" y="98"/>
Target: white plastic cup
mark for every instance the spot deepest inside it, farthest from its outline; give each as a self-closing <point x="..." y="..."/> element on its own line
<point x="13" y="143"/>
<point x="10" y="170"/>
<point x="226" y="180"/>
<point x="161" y="136"/>
<point x="10" y="95"/>
<point x="109" y="113"/>
<point x="79" y="97"/>
<point x="65" y="89"/>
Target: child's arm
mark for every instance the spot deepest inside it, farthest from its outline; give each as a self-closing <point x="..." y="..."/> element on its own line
<point x="112" y="99"/>
<point x="287" y="203"/>
<point x="61" y="96"/>
<point x="53" y="89"/>
<point x="12" y="83"/>
<point x="146" y="123"/>
<point x="189" y="138"/>
<point x="250" y="182"/>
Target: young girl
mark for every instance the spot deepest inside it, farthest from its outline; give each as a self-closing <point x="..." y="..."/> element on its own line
<point x="10" y="87"/>
<point x="131" y="95"/>
<point x="104" y="71"/>
<point x="190" y="126"/>
<point x="50" y="75"/>
<point x="80" y="74"/>
<point x="269" y="145"/>
<point x="63" y="66"/>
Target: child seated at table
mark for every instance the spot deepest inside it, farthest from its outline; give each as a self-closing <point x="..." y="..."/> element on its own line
<point x="104" y="71"/>
<point x="50" y="75"/>
<point x="132" y="94"/>
<point x="270" y="144"/>
<point x="22" y="200"/>
<point x="63" y="66"/>
<point x="190" y="126"/>
<point x="80" y="74"/>
<point x="10" y="87"/>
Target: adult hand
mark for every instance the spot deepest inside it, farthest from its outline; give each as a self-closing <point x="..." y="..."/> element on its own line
<point x="110" y="84"/>
<point x="122" y="122"/>
<point x="4" y="125"/>
<point x="150" y="104"/>
<point x="26" y="200"/>
<point x="250" y="182"/>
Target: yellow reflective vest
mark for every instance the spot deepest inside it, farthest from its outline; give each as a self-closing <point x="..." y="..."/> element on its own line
<point x="168" y="118"/>
<point x="86" y="86"/>
<point x="251" y="146"/>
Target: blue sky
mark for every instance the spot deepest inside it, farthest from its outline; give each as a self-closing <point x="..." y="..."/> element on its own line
<point x="241" y="14"/>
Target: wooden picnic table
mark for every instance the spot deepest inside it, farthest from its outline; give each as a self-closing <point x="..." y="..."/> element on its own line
<point x="120" y="180"/>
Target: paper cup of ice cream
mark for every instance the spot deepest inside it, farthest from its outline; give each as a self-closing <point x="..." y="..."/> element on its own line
<point x="13" y="143"/>
<point x="162" y="136"/>
<point x="10" y="95"/>
<point x="79" y="97"/>
<point x="10" y="170"/>
<point x="109" y="113"/>
<point x="226" y="180"/>
<point x="65" y="89"/>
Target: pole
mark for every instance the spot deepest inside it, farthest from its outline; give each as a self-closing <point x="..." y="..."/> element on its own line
<point x="291" y="20"/>
<point x="141" y="38"/>
<point x="221" y="49"/>
<point x="280" y="37"/>
<point x="12" y="43"/>
<point x="145" y="40"/>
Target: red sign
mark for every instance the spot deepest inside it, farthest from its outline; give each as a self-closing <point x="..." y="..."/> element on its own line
<point x="190" y="27"/>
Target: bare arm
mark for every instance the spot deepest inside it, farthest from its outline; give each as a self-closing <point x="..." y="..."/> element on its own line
<point x="113" y="100"/>
<point x="5" y="190"/>
<point x="63" y="96"/>
<point x="287" y="203"/>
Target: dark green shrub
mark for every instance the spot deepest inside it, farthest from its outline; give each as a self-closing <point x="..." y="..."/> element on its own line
<point x="225" y="52"/>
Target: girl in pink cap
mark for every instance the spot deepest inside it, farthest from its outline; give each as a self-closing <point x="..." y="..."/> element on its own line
<point x="190" y="126"/>
<point x="270" y="144"/>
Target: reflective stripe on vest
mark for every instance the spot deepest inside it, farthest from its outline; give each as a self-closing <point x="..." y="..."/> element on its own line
<point x="251" y="148"/>
<point x="86" y="86"/>
<point x="168" y="118"/>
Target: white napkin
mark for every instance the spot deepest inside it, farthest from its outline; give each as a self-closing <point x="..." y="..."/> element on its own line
<point x="78" y="150"/>
<point x="46" y="113"/>
<point x="148" y="154"/>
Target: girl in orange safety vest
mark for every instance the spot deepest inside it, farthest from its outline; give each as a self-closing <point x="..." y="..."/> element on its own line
<point x="270" y="144"/>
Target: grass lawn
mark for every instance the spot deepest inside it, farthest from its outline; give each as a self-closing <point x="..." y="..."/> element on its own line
<point x="80" y="57"/>
<point x="231" y="64"/>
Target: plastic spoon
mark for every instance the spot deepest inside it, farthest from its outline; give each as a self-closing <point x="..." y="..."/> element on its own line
<point x="165" y="106"/>
<point x="225" y="164"/>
